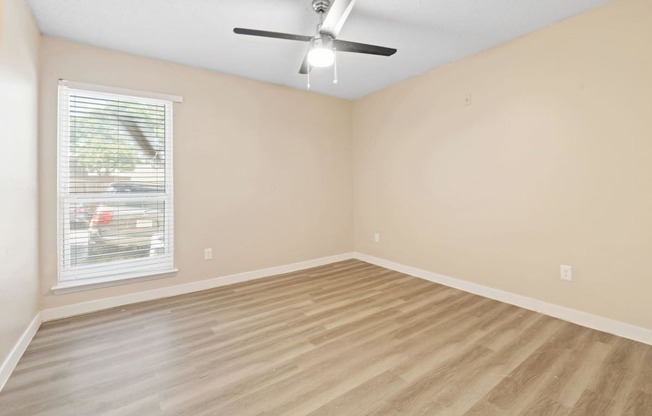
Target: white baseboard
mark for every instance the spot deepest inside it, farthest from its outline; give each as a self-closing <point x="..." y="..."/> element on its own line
<point x="18" y="350"/>
<point x="588" y="320"/>
<point x="165" y="292"/>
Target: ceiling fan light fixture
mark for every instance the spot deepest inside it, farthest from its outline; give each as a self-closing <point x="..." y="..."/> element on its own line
<point x="321" y="57"/>
<point x="321" y="53"/>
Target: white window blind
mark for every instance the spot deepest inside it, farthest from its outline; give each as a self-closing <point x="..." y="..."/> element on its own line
<point x="115" y="214"/>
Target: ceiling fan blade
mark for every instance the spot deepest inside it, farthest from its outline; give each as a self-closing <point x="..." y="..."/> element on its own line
<point x="304" y="66"/>
<point x="346" y="46"/>
<point x="266" y="34"/>
<point x="336" y="16"/>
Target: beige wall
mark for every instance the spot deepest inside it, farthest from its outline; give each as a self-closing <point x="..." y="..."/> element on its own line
<point x="262" y="172"/>
<point x="550" y="165"/>
<point x="19" y="44"/>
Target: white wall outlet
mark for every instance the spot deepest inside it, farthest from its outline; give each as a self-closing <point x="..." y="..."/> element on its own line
<point x="377" y="237"/>
<point x="566" y="273"/>
<point x="208" y="253"/>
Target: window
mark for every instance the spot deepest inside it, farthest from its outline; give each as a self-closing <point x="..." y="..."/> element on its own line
<point x="115" y="215"/>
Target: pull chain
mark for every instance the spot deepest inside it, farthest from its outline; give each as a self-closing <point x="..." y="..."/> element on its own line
<point x="334" y="66"/>
<point x="308" y="66"/>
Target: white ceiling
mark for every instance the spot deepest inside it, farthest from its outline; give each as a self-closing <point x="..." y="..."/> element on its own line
<point x="427" y="34"/>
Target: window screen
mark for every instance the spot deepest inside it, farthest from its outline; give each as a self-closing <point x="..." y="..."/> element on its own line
<point x="115" y="215"/>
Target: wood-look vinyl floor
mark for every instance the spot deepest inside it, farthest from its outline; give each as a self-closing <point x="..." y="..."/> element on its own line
<point x="343" y="339"/>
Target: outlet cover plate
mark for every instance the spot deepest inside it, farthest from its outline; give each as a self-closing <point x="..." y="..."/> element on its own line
<point x="566" y="273"/>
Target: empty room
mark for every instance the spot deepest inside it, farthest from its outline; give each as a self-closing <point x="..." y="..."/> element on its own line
<point x="325" y="207"/>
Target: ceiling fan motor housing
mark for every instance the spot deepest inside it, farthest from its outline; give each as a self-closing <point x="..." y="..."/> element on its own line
<point x="322" y="41"/>
<point x="321" y="6"/>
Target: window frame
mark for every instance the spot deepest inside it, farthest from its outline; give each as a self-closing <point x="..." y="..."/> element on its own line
<point x="134" y="269"/>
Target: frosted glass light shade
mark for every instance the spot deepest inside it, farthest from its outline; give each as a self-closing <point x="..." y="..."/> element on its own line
<point x="321" y="57"/>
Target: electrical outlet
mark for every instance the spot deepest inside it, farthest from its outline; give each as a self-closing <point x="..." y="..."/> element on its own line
<point x="566" y="273"/>
<point x="208" y="253"/>
<point x="467" y="100"/>
<point x="377" y="237"/>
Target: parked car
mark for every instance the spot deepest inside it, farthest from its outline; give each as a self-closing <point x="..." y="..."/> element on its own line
<point x="80" y="216"/>
<point x="125" y="229"/>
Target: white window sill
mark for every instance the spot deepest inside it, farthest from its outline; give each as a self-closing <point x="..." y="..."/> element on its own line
<point x="100" y="282"/>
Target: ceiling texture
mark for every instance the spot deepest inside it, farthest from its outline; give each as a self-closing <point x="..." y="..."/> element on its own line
<point x="427" y="34"/>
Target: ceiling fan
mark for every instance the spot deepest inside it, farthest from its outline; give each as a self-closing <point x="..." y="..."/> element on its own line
<point x="324" y="45"/>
